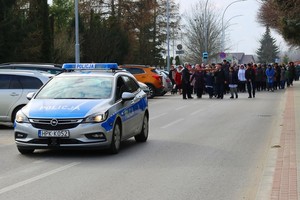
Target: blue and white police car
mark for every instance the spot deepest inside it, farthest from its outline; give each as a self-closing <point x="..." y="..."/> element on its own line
<point x="92" y="105"/>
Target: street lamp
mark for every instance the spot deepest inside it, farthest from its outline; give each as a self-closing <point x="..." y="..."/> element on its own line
<point x="223" y="30"/>
<point x="233" y="18"/>
<point x="77" y="51"/>
<point x="206" y="27"/>
<point x="168" y="36"/>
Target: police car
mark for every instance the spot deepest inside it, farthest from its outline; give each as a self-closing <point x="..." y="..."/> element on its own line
<point x="92" y="105"/>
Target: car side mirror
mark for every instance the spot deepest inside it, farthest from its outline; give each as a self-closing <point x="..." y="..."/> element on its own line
<point x="30" y="95"/>
<point x="127" y="96"/>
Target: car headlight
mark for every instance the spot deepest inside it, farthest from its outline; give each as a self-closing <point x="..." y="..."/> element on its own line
<point x="96" y="118"/>
<point x="21" y="117"/>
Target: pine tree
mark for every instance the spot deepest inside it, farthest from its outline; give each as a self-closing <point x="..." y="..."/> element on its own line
<point x="268" y="51"/>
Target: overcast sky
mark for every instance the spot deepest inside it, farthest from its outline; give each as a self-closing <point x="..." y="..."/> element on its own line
<point x="245" y="32"/>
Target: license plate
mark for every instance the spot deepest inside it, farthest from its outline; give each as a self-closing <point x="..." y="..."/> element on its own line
<point x="54" y="133"/>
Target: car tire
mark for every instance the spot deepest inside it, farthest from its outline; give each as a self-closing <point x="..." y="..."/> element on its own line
<point x="151" y="91"/>
<point x="116" y="139"/>
<point x="25" y="151"/>
<point x="143" y="135"/>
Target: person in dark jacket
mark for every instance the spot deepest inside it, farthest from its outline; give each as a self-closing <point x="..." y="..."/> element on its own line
<point x="259" y="77"/>
<point x="233" y="82"/>
<point x="291" y="73"/>
<point x="198" y="76"/>
<point x="250" y="78"/>
<point x="186" y="83"/>
<point x="277" y="76"/>
<point x="220" y="81"/>
<point x="209" y="82"/>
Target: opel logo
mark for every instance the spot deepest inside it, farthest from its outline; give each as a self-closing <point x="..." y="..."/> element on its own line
<point x="53" y="122"/>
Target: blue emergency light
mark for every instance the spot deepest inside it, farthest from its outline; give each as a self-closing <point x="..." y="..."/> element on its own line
<point x="104" y="66"/>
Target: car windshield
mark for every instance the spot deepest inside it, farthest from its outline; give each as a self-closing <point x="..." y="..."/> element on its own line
<point x="77" y="87"/>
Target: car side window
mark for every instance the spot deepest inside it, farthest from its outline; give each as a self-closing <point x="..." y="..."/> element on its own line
<point x="135" y="70"/>
<point x="131" y="84"/>
<point x="15" y="83"/>
<point x="5" y="81"/>
<point x="121" y="87"/>
<point x="30" y="82"/>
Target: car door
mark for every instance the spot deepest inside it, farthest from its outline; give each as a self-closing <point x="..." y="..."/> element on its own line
<point x="10" y="93"/>
<point x="134" y="109"/>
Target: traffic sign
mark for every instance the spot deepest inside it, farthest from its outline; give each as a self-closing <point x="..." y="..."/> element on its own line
<point x="180" y="52"/>
<point x="222" y="55"/>
<point x="204" y="55"/>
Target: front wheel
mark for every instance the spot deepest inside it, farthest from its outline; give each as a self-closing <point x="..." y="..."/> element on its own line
<point x="116" y="139"/>
<point x="143" y="135"/>
<point x="151" y="93"/>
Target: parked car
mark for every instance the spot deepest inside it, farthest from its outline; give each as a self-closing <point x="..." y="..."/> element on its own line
<point x="167" y="83"/>
<point x="50" y="68"/>
<point x="89" y="106"/>
<point x="144" y="87"/>
<point x="148" y="75"/>
<point x="14" y="87"/>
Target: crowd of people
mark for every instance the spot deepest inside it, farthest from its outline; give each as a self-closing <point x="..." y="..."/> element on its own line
<point x="222" y="78"/>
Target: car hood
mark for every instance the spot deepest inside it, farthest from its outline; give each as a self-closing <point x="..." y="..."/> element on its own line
<point x="64" y="108"/>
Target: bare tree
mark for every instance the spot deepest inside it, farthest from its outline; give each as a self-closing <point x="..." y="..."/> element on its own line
<point x="203" y="32"/>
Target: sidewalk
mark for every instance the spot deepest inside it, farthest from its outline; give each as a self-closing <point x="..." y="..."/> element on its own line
<point x="280" y="178"/>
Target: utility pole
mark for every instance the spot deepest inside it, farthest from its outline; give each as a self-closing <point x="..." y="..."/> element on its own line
<point x="223" y="28"/>
<point x="168" y="36"/>
<point x="77" y="47"/>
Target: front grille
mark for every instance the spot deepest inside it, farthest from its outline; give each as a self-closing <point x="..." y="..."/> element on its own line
<point x="60" y="124"/>
<point x="57" y="140"/>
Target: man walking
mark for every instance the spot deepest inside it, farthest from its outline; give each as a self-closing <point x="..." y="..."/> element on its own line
<point x="250" y="78"/>
<point x="186" y="83"/>
<point x="220" y="81"/>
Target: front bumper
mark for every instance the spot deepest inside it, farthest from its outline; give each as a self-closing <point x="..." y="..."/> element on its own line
<point x="26" y="136"/>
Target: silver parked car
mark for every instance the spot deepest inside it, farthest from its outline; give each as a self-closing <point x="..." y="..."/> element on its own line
<point x="14" y="87"/>
<point x="86" y="107"/>
<point x="167" y="83"/>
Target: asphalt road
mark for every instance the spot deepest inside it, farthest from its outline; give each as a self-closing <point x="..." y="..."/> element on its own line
<point x="199" y="149"/>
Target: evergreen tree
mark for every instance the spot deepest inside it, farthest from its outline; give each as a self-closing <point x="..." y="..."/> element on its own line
<point x="283" y="16"/>
<point x="268" y="51"/>
<point x="37" y="44"/>
<point x="11" y="30"/>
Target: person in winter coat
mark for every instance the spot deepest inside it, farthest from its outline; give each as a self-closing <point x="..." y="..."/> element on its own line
<point x="233" y="82"/>
<point x="291" y="73"/>
<point x="277" y="76"/>
<point x="209" y="82"/>
<point x="250" y="78"/>
<point x="270" y="72"/>
<point x="172" y="73"/>
<point x="178" y="79"/>
<point x="198" y="78"/>
<point x="242" y="79"/>
<point x="259" y="77"/>
<point x="282" y="77"/>
<point x="220" y="79"/>
<point x="186" y="83"/>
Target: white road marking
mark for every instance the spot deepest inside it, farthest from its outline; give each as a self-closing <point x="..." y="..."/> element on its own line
<point x="182" y="107"/>
<point x="172" y="123"/>
<point x="196" y="112"/>
<point x="157" y="116"/>
<point x="36" y="178"/>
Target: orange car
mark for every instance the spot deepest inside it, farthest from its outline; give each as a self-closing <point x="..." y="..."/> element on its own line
<point x="148" y="75"/>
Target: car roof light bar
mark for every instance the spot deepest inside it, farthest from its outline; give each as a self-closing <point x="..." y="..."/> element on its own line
<point x="89" y="66"/>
